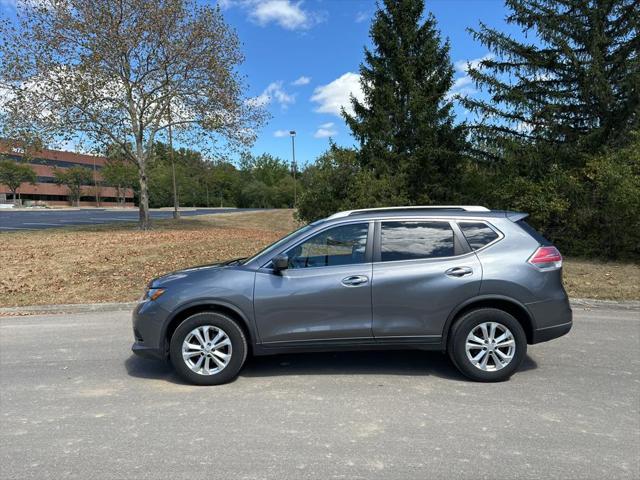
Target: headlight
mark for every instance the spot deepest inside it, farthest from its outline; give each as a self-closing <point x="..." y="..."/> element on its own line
<point x="152" y="294"/>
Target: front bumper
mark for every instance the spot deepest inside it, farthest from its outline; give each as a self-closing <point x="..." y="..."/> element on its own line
<point x="148" y="320"/>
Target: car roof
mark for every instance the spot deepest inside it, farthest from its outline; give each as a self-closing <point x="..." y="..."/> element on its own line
<point x="423" y="211"/>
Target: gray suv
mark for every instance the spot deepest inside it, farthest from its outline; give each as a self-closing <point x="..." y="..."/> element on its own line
<point x="477" y="284"/>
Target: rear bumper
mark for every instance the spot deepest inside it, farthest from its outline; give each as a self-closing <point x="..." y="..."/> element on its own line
<point x="552" y="319"/>
<point x="549" y="333"/>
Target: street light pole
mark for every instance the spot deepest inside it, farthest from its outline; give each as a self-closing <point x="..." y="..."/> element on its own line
<point x="176" y="207"/>
<point x="293" y="166"/>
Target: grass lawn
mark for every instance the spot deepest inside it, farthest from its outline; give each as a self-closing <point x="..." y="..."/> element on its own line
<point x="113" y="263"/>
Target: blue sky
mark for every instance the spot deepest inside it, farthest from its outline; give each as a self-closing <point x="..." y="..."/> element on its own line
<point x="302" y="58"/>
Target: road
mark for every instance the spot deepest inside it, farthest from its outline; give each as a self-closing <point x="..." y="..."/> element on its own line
<point x="76" y="404"/>
<point x="41" y="219"/>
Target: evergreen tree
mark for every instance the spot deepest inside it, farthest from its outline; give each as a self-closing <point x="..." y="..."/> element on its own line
<point x="405" y="125"/>
<point x="570" y="91"/>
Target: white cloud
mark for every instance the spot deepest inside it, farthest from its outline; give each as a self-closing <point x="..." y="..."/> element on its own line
<point x="281" y="133"/>
<point x="301" y="81"/>
<point x="326" y="130"/>
<point x="335" y="95"/>
<point x="362" y="17"/>
<point x="464" y="85"/>
<point x="464" y="65"/>
<point x="273" y="92"/>
<point x="288" y="14"/>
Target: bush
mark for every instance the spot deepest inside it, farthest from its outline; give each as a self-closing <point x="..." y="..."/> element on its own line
<point x="337" y="182"/>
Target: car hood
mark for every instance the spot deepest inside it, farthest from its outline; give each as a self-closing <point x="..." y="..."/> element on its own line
<point x="192" y="271"/>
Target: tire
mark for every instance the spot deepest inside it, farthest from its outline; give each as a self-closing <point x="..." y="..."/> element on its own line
<point x="501" y="359"/>
<point x="208" y="326"/>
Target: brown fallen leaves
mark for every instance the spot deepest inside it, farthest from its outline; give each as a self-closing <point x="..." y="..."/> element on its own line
<point x="114" y="263"/>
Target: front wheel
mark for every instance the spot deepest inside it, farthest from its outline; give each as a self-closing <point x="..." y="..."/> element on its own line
<point x="487" y="345"/>
<point x="208" y="348"/>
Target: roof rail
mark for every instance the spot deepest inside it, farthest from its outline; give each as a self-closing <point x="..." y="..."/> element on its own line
<point x="463" y="208"/>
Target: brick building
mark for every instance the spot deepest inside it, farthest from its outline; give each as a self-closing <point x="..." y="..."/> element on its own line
<point x="47" y="191"/>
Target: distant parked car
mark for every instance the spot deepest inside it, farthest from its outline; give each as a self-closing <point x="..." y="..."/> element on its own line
<point x="477" y="284"/>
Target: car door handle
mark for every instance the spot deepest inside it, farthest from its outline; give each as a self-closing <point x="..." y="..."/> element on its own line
<point x="355" y="280"/>
<point x="459" y="271"/>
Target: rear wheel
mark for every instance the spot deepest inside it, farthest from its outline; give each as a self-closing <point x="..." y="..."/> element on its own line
<point x="208" y="348"/>
<point x="487" y="344"/>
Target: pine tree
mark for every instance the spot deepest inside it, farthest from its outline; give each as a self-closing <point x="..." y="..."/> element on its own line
<point x="405" y="125"/>
<point x="571" y="90"/>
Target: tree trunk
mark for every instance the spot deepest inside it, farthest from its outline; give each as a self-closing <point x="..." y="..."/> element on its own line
<point x="144" y="222"/>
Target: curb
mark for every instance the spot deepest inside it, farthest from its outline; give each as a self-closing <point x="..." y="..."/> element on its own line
<point x="583" y="303"/>
<point x="588" y="303"/>
<point x="67" y="308"/>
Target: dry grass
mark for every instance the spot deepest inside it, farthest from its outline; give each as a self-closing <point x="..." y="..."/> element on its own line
<point x="113" y="263"/>
<point x="602" y="280"/>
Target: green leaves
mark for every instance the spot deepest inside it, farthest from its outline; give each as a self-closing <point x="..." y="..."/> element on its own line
<point x="74" y="179"/>
<point x="405" y="123"/>
<point x="13" y="174"/>
<point x="573" y="86"/>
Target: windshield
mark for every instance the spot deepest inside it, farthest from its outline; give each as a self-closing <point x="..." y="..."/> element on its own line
<point x="283" y="240"/>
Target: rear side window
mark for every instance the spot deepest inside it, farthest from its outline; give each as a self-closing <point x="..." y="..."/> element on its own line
<point x="533" y="232"/>
<point x="478" y="234"/>
<point x="415" y="240"/>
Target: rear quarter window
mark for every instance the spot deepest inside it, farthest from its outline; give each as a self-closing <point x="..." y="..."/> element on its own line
<point x="478" y="234"/>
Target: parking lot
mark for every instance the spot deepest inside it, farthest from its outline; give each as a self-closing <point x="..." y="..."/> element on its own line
<point x="40" y="219"/>
<point x="76" y="404"/>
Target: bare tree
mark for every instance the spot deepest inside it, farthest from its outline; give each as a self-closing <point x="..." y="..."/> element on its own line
<point x="124" y="72"/>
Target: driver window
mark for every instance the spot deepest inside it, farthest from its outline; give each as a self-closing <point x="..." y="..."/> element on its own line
<point x="343" y="245"/>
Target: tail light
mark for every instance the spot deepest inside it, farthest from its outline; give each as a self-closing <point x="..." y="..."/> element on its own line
<point x="546" y="258"/>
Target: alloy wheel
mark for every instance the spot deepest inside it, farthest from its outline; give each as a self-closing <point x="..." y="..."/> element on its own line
<point x="206" y="350"/>
<point x="490" y="346"/>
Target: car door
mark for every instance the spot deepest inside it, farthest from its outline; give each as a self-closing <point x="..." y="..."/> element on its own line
<point x="325" y="293"/>
<point x="421" y="272"/>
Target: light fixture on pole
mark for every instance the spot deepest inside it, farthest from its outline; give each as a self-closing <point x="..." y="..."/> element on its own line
<point x="292" y="133"/>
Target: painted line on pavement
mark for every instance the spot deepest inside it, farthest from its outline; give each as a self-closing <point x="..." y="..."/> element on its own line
<point x="79" y="221"/>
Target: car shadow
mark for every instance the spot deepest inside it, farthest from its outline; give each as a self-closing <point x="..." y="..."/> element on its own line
<point x="150" y="369"/>
<point x="388" y="362"/>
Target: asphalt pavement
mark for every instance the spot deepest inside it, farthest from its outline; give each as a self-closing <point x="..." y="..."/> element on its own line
<point x="38" y="219"/>
<point x="75" y="403"/>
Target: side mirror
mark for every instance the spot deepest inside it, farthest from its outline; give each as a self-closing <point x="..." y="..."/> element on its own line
<point x="280" y="262"/>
